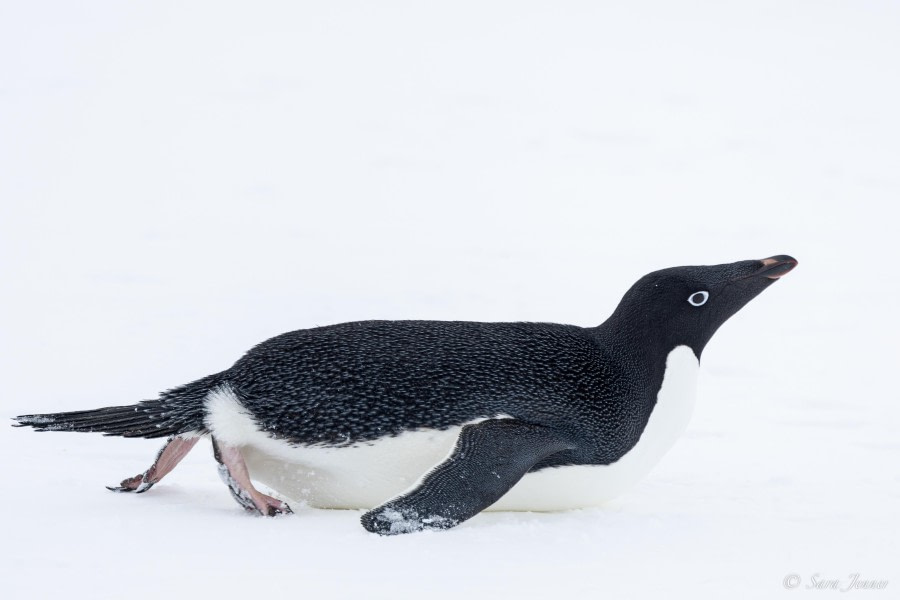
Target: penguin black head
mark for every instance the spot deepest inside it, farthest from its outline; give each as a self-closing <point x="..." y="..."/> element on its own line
<point x="686" y="305"/>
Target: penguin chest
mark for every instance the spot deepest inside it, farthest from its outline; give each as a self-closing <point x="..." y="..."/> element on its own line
<point x="368" y="474"/>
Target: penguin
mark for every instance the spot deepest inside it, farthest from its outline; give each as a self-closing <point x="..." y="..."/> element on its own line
<point x="424" y="424"/>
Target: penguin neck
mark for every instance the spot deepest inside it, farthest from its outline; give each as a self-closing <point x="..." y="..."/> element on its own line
<point x="644" y="344"/>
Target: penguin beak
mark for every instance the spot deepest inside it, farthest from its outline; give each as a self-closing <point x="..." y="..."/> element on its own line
<point x="775" y="267"/>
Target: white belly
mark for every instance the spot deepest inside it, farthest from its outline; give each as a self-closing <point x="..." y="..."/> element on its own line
<point x="367" y="475"/>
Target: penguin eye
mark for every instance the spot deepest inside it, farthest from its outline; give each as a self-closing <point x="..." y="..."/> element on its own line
<point x="698" y="298"/>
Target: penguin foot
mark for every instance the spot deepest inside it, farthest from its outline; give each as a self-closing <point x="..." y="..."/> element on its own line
<point x="268" y="506"/>
<point x="167" y="459"/>
<point x="233" y="471"/>
<point x="138" y="484"/>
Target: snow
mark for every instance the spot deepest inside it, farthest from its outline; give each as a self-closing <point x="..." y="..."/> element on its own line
<point x="179" y="181"/>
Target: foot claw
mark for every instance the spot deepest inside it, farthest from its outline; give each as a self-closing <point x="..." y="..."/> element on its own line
<point x="137" y="484"/>
<point x="272" y="507"/>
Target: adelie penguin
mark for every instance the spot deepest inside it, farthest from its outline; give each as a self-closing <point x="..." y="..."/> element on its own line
<point x="427" y="423"/>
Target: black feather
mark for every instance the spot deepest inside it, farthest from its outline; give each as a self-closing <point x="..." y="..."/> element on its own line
<point x="179" y="410"/>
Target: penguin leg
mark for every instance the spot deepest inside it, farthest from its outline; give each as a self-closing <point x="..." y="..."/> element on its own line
<point x="233" y="471"/>
<point x="489" y="458"/>
<point x="167" y="459"/>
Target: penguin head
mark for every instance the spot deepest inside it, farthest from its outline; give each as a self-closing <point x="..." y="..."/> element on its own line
<point x="686" y="305"/>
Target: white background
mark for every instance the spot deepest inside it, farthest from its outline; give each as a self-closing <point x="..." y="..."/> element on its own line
<point x="181" y="180"/>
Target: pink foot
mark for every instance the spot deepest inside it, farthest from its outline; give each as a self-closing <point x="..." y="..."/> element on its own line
<point x="168" y="458"/>
<point x="233" y="472"/>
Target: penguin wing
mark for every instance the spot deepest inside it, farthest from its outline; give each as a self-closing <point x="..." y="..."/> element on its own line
<point x="489" y="459"/>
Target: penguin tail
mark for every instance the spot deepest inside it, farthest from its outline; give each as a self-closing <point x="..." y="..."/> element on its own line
<point x="177" y="411"/>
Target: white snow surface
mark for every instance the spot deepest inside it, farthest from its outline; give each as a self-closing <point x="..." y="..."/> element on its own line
<point x="182" y="180"/>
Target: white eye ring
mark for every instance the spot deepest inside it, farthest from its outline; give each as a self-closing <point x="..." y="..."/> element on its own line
<point x="698" y="298"/>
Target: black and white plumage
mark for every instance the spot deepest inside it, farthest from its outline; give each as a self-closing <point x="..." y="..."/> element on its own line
<point x="431" y="422"/>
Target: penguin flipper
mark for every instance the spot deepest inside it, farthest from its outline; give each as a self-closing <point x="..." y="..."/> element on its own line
<point x="489" y="458"/>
